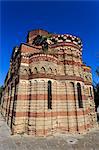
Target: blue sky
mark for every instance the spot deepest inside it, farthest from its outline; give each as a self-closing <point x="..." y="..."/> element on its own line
<point x="80" y="18"/>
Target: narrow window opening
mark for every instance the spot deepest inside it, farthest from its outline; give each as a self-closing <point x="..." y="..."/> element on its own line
<point x="42" y="70"/>
<point x="49" y="95"/>
<point x="35" y="70"/>
<point x="55" y="72"/>
<point x="79" y="95"/>
<point x="50" y="71"/>
<point x="90" y="92"/>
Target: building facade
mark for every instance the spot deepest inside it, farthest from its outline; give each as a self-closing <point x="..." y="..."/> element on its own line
<point x="48" y="89"/>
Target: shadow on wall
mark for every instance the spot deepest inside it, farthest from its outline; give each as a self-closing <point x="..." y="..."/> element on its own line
<point x="1" y="90"/>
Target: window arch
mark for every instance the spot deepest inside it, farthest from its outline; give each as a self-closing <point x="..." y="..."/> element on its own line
<point x="30" y="71"/>
<point x="35" y="70"/>
<point x="42" y="70"/>
<point x="25" y="72"/>
<point x="72" y="84"/>
<point x="72" y="89"/>
<point x="50" y="71"/>
<point x="90" y="91"/>
<point x="55" y="72"/>
<point x="49" y="95"/>
<point x="79" y="95"/>
<point x="35" y="85"/>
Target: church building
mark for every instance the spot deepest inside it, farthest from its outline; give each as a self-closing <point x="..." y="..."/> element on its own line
<point x="48" y="89"/>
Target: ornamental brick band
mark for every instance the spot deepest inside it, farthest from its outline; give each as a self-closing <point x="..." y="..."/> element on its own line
<point x="48" y="89"/>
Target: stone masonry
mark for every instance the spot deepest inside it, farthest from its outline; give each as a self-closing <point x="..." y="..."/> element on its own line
<point x="48" y="89"/>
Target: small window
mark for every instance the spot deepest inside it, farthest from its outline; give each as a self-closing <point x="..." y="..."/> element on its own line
<point x="50" y="71"/>
<point x="42" y="70"/>
<point x="55" y="72"/>
<point x="30" y="72"/>
<point x="90" y="92"/>
<point x="79" y="95"/>
<point x="49" y="95"/>
<point x="35" y="70"/>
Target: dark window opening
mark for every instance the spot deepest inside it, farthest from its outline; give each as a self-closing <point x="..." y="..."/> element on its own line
<point x="79" y="95"/>
<point x="49" y="95"/>
<point x="90" y="92"/>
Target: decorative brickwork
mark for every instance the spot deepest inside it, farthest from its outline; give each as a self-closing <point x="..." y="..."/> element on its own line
<point x="48" y="89"/>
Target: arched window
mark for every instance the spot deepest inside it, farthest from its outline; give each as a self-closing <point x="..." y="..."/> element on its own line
<point x="49" y="95"/>
<point x="30" y="71"/>
<point x="42" y="70"/>
<point x="72" y="89"/>
<point x="35" y="70"/>
<point x="90" y="92"/>
<point x="55" y="72"/>
<point x="79" y="95"/>
<point x="35" y="85"/>
<point x="24" y="72"/>
<point x="50" y="71"/>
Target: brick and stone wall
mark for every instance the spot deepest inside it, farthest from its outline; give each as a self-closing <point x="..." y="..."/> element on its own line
<point x="25" y="96"/>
